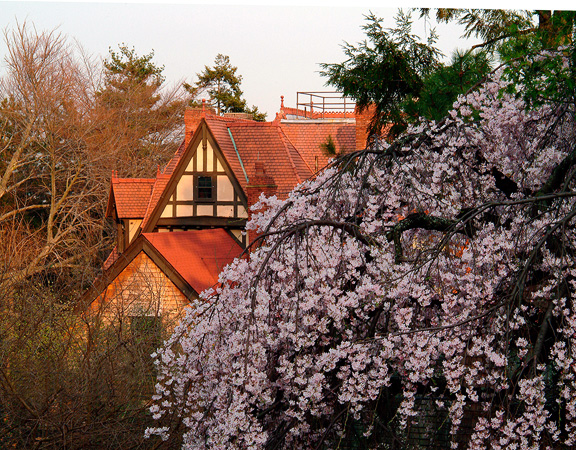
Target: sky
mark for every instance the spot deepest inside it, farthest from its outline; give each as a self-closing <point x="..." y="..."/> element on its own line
<point x="275" y="46"/>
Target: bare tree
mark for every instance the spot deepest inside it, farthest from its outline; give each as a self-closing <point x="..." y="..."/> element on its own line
<point x="47" y="209"/>
<point x="68" y="379"/>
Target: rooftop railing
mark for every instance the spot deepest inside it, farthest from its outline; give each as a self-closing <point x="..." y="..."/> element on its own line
<point x="323" y="105"/>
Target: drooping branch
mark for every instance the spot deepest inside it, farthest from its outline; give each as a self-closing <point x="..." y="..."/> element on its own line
<point x="349" y="227"/>
<point x="436" y="329"/>
<point x="558" y="175"/>
<point x="490" y="42"/>
<point x="522" y="277"/>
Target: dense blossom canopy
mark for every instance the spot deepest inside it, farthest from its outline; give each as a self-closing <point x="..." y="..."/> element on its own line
<point x="435" y="274"/>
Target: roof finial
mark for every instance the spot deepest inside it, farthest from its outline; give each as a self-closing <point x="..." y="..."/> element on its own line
<point x="281" y="101"/>
<point x="204" y="105"/>
<point x="158" y="170"/>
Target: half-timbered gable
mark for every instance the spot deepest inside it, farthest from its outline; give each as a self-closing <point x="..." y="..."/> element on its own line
<point x="141" y="288"/>
<point x="202" y="191"/>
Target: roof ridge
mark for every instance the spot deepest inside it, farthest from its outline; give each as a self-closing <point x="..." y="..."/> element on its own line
<point x="252" y="123"/>
<point x="237" y="121"/>
<point x="290" y="156"/>
<point x="133" y="180"/>
<point x="284" y="136"/>
<point x="154" y="199"/>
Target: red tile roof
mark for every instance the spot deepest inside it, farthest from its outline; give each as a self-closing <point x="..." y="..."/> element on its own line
<point x="157" y="190"/>
<point x="290" y="153"/>
<point x="308" y="136"/>
<point x="245" y="142"/>
<point x="112" y="257"/>
<point x="219" y="128"/>
<point x="197" y="255"/>
<point x="131" y="196"/>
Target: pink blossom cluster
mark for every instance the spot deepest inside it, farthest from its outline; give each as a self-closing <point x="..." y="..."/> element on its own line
<point x="442" y="268"/>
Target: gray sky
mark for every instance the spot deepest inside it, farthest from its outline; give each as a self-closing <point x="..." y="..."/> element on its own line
<point x="276" y="47"/>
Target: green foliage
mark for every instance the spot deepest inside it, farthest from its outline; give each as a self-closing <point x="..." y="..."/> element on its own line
<point x="490" y="25"/>
<point x="402" y="77"/>
<point x="256" y="113"/>
<point x="544" y="61"/>
<point x="329" y="147"/>
<point x="222" y="85"/>
<point x="533" y="54"/>
<point x="441" y="87"/>
<point x="139" y="69"/>
<point x="137" y="116"/>
<point x="384" y="70"/>
<point x="128" y="76"/>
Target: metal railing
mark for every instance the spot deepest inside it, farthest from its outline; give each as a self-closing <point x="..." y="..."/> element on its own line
<point x="324" y="104"/>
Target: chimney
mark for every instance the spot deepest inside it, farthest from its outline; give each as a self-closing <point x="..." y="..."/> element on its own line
<point x="192" y="118"/>
<point x="259" y="183"/>
<point x="362" y="123"/>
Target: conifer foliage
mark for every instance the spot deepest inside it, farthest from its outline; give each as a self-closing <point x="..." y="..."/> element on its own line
<point x="222" y="85"/>
<point x="385" y="70"/>
<point x="139" y="119"/>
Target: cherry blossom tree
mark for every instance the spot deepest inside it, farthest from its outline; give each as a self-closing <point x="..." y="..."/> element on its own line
<point x="419" y="291"/>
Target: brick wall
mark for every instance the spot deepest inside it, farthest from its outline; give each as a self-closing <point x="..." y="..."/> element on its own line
<point x="362" y="123"/>
<point x="191" y="120"/>
<point x="260" y="182"/>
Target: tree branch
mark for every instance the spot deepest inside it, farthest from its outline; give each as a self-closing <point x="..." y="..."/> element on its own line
<point x="420" y="221"/>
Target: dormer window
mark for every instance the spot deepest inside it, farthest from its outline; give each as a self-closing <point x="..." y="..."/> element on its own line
<point x="206" y="189"/>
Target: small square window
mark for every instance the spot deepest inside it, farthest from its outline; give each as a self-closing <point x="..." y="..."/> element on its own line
<point x="205" y="188"/>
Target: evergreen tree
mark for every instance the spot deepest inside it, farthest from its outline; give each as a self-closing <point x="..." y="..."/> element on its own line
<point x="441" y="87"/>
<point x="520" y="39"/>
<point x="139" y="121"/>
<point x="222" y="85"/>
<point x="126" y="69"/>
<point x="497" y="26"/>
<point x="403" y="77"/>
<point x="492" y="26"/>
<point x="385" y="70"/>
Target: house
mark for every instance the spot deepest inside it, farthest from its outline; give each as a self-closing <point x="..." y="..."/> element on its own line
<point x="176" y="232"/>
